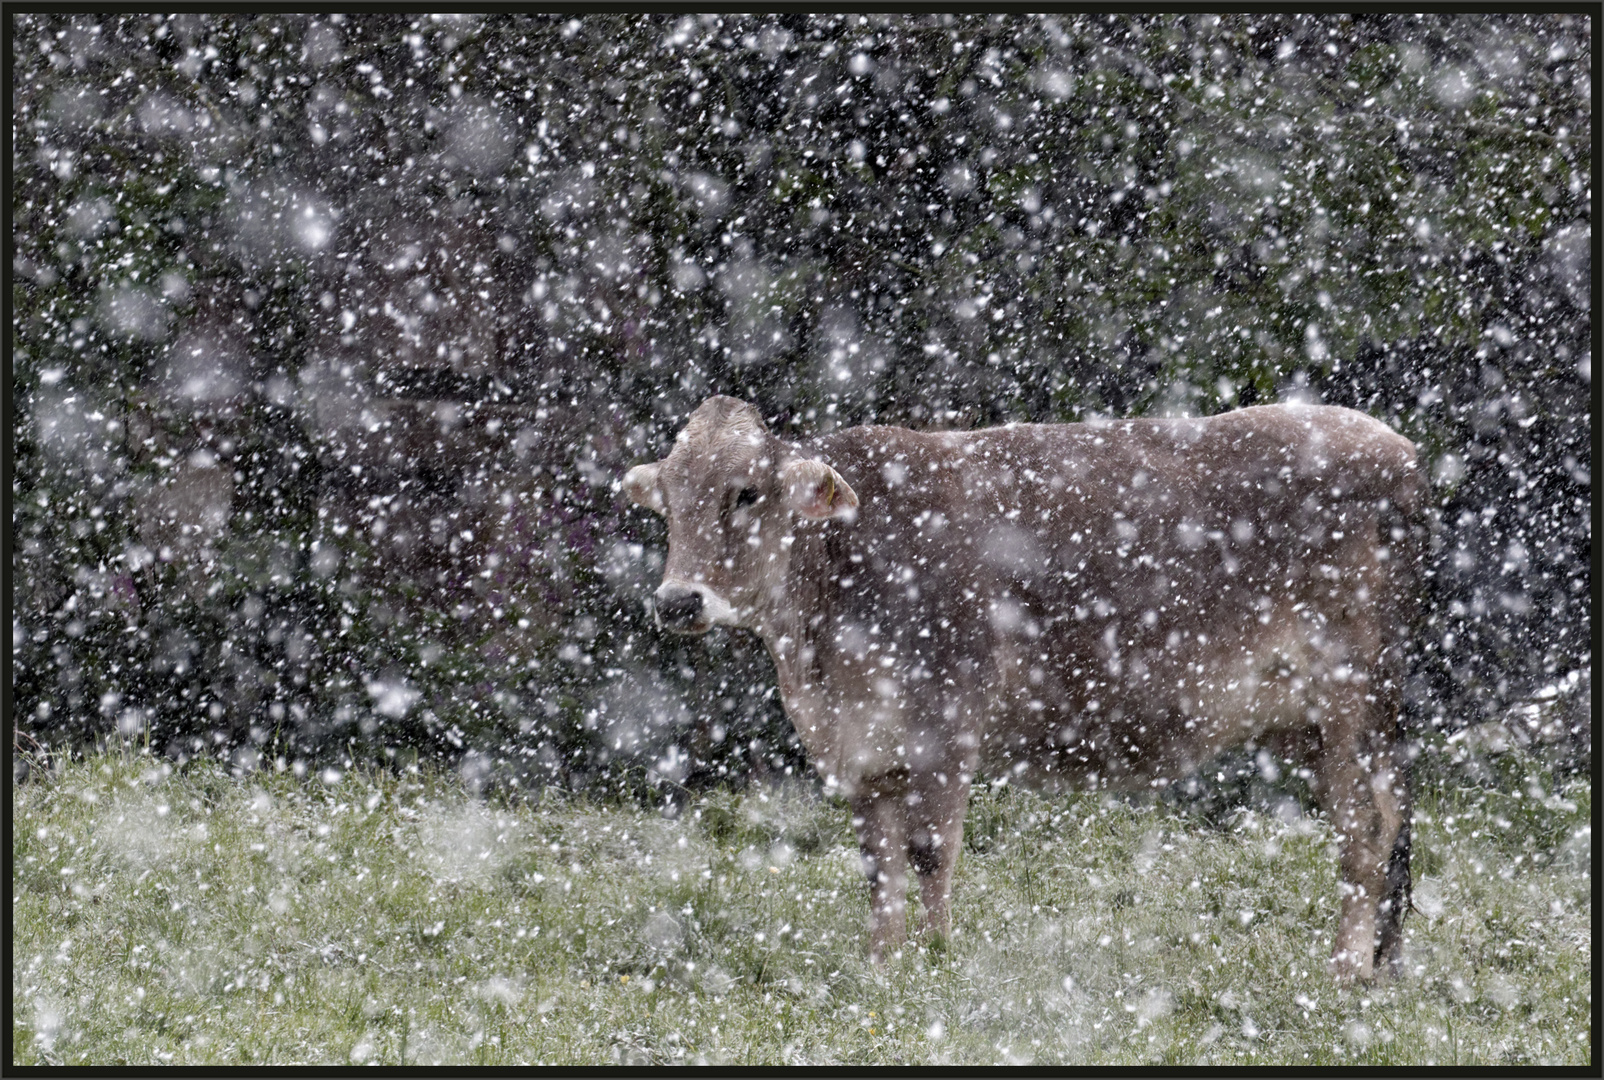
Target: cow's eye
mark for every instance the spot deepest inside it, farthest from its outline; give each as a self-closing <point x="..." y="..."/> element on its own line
<point x="747" y="497"/>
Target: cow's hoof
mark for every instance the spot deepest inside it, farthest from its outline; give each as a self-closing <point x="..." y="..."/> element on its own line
<point x="1349" y="966"/>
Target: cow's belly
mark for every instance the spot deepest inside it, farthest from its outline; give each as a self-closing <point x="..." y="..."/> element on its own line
<point x="1124" y="718"/>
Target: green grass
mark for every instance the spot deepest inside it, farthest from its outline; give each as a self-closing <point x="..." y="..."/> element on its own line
<point x="192" y="917"/>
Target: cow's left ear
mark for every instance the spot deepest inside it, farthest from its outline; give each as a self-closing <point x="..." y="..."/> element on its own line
<point x="816" y="491"/>
<point x="640" y="486"/>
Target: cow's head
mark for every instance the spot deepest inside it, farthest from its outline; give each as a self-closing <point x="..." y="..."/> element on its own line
<point x="733" y="496"/>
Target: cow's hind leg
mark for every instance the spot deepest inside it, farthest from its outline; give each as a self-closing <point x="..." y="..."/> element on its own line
<point x="877" y="818"/>
<point x="1389" y="929"/>
<point x="1359" y="785"/>
<point x="936" y="809"/>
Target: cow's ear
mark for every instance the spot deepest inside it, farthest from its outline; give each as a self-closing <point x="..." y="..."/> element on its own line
<point x="816" y="491"/>
<point x="640" y="485"/>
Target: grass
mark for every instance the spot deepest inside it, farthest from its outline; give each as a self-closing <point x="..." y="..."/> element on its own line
<point x="198" y="917"/>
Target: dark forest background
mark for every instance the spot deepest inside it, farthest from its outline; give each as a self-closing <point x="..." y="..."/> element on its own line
<point x="331" y="337"/>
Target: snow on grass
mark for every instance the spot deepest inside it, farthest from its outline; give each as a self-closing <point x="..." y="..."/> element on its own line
<point x="185" y="916"/>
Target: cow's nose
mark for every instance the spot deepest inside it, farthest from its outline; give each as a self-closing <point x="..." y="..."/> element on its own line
<point x="679" y="608"/>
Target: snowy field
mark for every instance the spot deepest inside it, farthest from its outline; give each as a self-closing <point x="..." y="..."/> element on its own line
<point x="191" y="917"/>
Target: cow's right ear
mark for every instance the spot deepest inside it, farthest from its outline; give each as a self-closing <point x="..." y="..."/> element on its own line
<point x="816" y="491"/>
<point x="640" y="485"/>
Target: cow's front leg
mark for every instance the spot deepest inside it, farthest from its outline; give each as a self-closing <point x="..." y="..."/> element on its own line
<point x="936" y="807"/>
<point x="878" y="820"/>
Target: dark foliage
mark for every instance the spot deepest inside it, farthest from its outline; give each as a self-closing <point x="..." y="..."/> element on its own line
<point x="332" y="336"/>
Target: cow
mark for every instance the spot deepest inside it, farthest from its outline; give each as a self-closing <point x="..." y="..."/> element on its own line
<point x="1101" y="604"/>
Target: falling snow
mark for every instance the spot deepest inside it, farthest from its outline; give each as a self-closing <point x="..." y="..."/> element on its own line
<point x="335" y="337"/>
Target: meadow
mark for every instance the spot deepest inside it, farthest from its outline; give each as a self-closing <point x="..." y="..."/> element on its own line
<point x="190" y="915"/>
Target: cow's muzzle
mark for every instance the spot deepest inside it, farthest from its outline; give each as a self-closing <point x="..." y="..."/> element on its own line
<point x="681" y="610"/>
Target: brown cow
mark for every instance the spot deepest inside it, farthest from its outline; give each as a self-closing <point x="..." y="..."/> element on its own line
<point x="1112" y="602"/>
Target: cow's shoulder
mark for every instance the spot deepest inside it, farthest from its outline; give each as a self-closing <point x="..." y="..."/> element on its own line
<point x="884" y="450"/>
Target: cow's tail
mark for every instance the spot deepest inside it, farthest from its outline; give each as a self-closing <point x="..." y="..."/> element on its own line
<point x="1406" y="525"/>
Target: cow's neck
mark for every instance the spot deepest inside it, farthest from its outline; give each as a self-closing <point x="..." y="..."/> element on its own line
<point x="792" y="623"/>
<point x="798" y="625"/>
